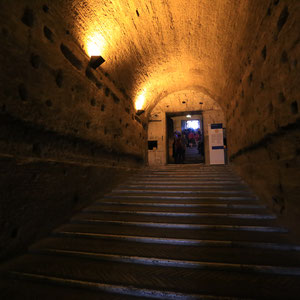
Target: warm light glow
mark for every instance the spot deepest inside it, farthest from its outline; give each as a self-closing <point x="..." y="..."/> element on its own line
<point x="140" y="101"/>
<point x="95" y="45"/>
<point x="188" y="116"/>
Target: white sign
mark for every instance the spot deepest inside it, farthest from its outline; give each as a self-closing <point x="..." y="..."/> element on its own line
<point x="216" y="144"/>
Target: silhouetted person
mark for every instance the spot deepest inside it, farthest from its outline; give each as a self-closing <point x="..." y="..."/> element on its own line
<point x="179" y="149"/>
<point x="191" y="138"/>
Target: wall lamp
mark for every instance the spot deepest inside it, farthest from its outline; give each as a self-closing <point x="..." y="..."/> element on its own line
<point x="139" y="112"/>
<point x="96" y="61"/>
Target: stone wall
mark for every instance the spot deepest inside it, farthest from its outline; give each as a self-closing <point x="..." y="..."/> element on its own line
<point x="263" y="113"/>
<point x="67" y="133"/>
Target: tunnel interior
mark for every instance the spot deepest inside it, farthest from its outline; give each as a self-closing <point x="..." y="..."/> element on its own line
<point x="69" y="132"/>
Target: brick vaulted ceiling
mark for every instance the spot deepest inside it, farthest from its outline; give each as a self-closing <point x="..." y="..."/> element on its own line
<point x="157" y="47"/>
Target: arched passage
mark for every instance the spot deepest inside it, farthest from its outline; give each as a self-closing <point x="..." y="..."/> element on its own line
<point x="194" y="101"/>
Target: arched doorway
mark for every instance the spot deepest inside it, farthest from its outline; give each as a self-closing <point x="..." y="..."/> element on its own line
<point x="190" y="126"/>
<point x="170" y="115"/>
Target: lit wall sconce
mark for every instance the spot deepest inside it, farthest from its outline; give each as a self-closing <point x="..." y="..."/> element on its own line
<point x="96" y="61"/>
<point x="139" y="112"/>
<point x="188" y="116"/>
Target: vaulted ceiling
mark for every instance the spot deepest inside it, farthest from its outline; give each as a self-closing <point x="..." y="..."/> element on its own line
<point x="155" y="48"/>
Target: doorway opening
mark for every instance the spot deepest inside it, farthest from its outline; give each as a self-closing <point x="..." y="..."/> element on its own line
<point x="185" y="138"/>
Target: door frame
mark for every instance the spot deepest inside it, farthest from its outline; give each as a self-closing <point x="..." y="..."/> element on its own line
<point x="178" y="114"/>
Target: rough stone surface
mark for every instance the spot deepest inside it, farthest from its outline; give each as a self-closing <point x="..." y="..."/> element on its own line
<point x="262" y="115"/>
<point x="58" y="148"/>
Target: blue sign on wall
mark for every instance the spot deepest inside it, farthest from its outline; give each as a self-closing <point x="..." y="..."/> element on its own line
<point x="216" y="126"/>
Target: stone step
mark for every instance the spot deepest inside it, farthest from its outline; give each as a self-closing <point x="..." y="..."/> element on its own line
<point x="195" y="171"/>
<point x="180" y="197"/>
<point x="178" y="200"/>
<point x="224" y="175"/>
<point x="186" y="281"/>
<point x="153" y="191"/>
<point x="196" y="167"/>
<point x="177" y="208"/>
<point x="163" y="205"/>
<point x="182" y="169"/>
<point x="175" y="213"/>
<point x="269" y="245"/>
<point x="79" y="289"/>
<point x="156" y="218"/>
<point x="233" y="254"/>
<point x="176" y="232"/>
<point x="190" y="176"/>
<point x="207" y="227"/>
<point x="125" y="229"/>
<point x="27" y="287"/>
<point x="200" y="187"/>
<point x="178" y="182"/>
<point x="153" y="261"/>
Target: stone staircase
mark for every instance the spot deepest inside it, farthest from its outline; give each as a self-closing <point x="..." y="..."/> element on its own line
<point x="192" y="156"/>
<point x="178" y="232"/>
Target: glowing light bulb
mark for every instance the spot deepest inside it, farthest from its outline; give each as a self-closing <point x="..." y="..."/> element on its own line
<point x="95" y="45"/>
<point x="93" y="49"/>
<point x="140" y="101"/>
<point x="188" y="116"/>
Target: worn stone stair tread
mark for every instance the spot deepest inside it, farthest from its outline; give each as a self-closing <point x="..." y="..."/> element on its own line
<point x="182" y="193"/>
<point x="156" y="277"/>
<point x="180" y="204"/>
<point x="186" y="176"/>
<point x="192" y="208"/>
<point x="211" y="177"/>
<point x="26" y="289"/>
<point x="198" y="226"/>
<point x="195" y="190"/>
<point x="180" y="184"/>
<point x="171" y="212"/>
<point x="150" y="191"/>
<point x="178" y="200"/>
<point x="190" y="168"/>
<point x="183" y="187"/>
<point x="170" y="262"/>
<point x="190" y="182"/>
<point x="35" y="286"/>
<point x="180" y="197"/>
<point x="172" y="233"/>
<point x="169" y="219"/>
<point x="192" y="172"/>
<point x="228" y="255"/>
<point x="225" y="175"/>
<point x="183" y="242"/>
<point x="168" y="233"/>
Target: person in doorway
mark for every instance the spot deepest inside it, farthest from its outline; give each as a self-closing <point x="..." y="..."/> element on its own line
<point x="179" y="149"/>
<point x="184" y="141"/>
<point x="197" y="134"/>
<point x="201" y="145"/>
<point x="185" y="133"/>
<point x="173" y="146"/>
<point x="191" y="138"/>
